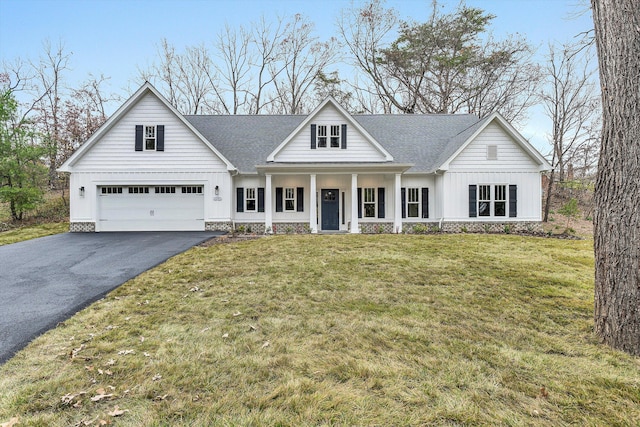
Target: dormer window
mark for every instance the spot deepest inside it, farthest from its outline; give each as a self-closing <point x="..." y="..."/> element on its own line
<point x="329" y="136"/>
<point x="335" y="136"/>
<point x="322" y="136"/>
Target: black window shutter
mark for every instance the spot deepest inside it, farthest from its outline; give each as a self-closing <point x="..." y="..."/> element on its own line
<point x="279" y="199"/>
<point x="403" y="201"/>
<point x="261" y="199"/>
<point x="138" y="137"/>
<point x="300" y="199"/>
<point x="313" y="137"/>
<point x="240" y="199"/>
<point x="343" y="136"/>
<point x="425" y="202"/>
<point x="473" y="211"/>
<point x="160" y="136"/>
<point x="513" y="201"/>
<point x="380" y="202"/>
<point x="359" y="202"/>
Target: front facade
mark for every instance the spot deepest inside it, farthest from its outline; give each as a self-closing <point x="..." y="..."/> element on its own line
<point x="149" y="168"/>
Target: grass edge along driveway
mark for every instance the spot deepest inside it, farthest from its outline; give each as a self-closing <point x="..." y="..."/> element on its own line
<point x="337" y="330"/>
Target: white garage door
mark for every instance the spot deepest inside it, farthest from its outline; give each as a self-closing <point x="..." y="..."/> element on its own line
<point x="151" y="208"/>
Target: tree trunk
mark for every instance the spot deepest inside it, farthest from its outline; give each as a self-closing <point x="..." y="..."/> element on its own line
<point x="617" y="193"/>
<point x="547" y="204"/>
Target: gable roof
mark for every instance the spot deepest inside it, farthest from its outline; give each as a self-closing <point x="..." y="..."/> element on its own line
<point x="145" y="89"/>
<point x="460" y="141"/>
<point x="427" y="141"/>
<point x="347" y="117"/>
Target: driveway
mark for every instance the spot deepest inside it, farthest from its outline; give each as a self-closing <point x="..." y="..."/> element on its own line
<point x="45" y="281"/>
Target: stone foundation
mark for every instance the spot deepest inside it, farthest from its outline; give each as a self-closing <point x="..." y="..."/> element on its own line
<point x="249" y="228"/>
<point x="376" y="227"/>
<point x="291" y="228"/>
<point x="473" y="227"/>
<point x="82" y="227"/>
<point x="218" y="226"/>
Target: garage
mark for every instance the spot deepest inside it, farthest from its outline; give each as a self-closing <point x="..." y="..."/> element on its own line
<point x="150" y="208"/>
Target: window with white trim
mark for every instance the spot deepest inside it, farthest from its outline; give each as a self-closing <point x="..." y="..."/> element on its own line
<point x="250" y="199"/>
<point x="500" y="200"/>
<point x="484" y="200"/>
<point x="413" y="202"/>
<point x="322" y="136"/>
<point x="290" y="199"/>
<point x="492" y="200"/>
<point x="328" y="136"/>
<point x="369" y="202"/>
<point x="335" y="136"/>
<point x="149" y="137"/>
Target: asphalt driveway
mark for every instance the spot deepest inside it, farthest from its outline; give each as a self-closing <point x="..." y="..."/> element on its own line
<point x="45" y="281"/>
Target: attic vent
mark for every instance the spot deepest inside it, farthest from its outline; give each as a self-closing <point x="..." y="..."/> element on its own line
<point x="492" y="152"/>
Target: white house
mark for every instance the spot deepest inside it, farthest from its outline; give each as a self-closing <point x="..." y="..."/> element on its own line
<point x="151" y="168"/>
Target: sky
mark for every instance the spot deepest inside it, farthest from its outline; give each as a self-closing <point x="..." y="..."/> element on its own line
<point x="117" y="38"/>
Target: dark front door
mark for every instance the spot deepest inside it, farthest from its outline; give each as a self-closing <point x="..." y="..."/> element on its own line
<point x="330" y="210"/>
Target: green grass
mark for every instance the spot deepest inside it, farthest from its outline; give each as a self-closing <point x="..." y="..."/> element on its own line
<point x="32" y="231"/>
<point x="337" y="330"/>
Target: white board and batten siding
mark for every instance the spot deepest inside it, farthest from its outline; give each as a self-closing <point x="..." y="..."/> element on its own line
<point x="359" y="149"/>
<point x="473" y="167"/>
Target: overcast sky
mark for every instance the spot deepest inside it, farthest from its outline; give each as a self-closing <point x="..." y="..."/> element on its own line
<point x="117" y="37"/>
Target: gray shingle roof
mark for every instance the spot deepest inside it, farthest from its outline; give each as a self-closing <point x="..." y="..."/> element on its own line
<point x="425" y="141"/>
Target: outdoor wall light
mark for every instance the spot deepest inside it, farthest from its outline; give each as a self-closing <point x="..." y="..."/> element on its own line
<point x="81" y="191"/>
<point x="217" y="190"/>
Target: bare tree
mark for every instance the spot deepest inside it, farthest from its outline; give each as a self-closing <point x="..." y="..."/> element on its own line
<point x="303" y="58"/>
<point x="444" y="65"/>
<point x="50" y="75"/>
<point x="617" y="204"/>
<point x="571" y="102"/>
<point x="234" y="68"/>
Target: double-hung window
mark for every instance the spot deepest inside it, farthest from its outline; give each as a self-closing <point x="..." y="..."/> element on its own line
<point x="413" y="202"/>
<point x="149" y="137"/>
<point x="369" y="202"/>
<point x="335" y="136"/>
<point x="250" y="199"/>
<point x="492" y="200"/>
<point x="484" y="200"/>
<point x="500" y="200"/>
<point x="290" y="199"/>
<point x="322" y="136"/>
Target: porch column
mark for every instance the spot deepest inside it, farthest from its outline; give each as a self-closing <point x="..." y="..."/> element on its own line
<point x="313" y="202"/>
<point x="397" y="216"/>
<point x="268" y="211"/>
<point x="354" y="204"/>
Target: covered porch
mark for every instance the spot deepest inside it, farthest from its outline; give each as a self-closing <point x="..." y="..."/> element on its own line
<point x="317" y="198"/>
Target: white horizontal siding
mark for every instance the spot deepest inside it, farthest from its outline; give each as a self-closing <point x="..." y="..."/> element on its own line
<point x="115" y="151"/>
<point x="359" y="149"/>
<point x="456" y="193"/>
<point x="510" y="155"/>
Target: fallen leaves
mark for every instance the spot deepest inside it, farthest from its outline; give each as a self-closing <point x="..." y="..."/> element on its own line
<point x="117" y="411"/>
<point x="101" y="394"/>
<point x="126" y="352"/>
<point x="12" y="422"/>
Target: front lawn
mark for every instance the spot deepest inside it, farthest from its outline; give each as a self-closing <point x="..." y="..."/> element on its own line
<point x="336" y="330"/>
<point x="32" y="231"/>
